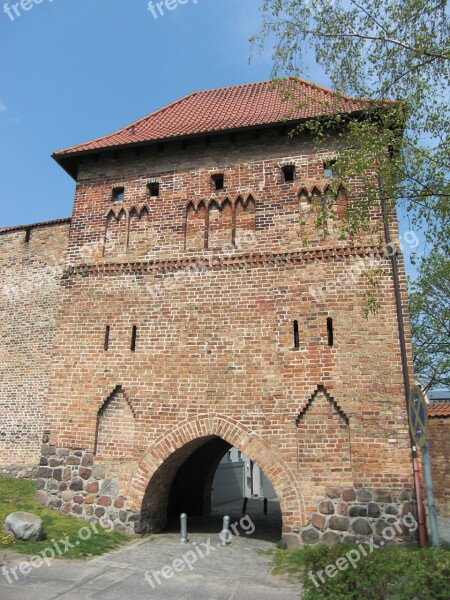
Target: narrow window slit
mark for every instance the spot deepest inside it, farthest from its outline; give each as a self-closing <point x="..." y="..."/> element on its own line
<point x="330" y="330"/>
<point x="107" y="332"/>
<point x="133" y="339"/>
<point x="296" y="336"/>
<point x="27" y="237"/>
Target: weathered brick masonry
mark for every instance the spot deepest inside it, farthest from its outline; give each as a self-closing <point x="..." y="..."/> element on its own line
<point x="31" y="266"/>
<point x="439" y="445"/>
<point x="175" y="339"/>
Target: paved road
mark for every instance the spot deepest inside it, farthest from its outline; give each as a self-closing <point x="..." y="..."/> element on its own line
<point x="202" y="569"/>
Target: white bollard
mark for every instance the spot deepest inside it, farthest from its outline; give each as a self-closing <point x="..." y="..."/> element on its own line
<point x="225" y="534"/>
<point x="183" y="524"/>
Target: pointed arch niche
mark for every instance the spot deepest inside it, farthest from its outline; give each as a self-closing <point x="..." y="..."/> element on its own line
<point x="245" y="221"/>
<point x="140" y="234"/>
<point x="195" y="226"/>
<point x="115" y="428"/>
<point x="116" y="233"/>
<point x="220" y="225"/>
<point x="342" y="203"/>
<point x="324" y="440"/>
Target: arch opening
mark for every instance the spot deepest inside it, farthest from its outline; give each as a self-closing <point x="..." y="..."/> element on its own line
<point x="208" y="478"/>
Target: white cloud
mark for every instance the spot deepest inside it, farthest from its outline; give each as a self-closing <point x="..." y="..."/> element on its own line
<point x="3" y="108"/>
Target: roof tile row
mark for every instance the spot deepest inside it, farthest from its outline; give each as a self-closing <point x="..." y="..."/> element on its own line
<point x="228" y="108"/>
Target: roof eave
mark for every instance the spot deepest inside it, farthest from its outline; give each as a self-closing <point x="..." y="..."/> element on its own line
<point x="63" y="159"/>
<point x="51" y="223"/>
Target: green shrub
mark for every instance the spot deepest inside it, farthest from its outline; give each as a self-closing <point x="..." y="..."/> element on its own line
<point x="396" y="573"/>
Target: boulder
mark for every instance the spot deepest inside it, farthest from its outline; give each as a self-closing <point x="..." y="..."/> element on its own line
<point x="338" y="523"/>
<point x="326" y="507"/>
<point x="41" y="497"/>
<point x="362" y="526"/>
<point x="310" y="536"/>
<point x="110" y="487"/>
<point x="374" y="510"/>
<point x="364" y="496"/>
<point x="330" y="538"/>
<point x="358" y="511"/>
<point x="334" y="493"/>
<point x="349" y="495"/>
<point x="289" y="541"/>
<point x="24" y="526"/>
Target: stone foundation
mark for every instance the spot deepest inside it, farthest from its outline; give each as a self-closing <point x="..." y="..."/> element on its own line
<point x="70" y="482"/>
<point x="351" y="515"/>
<point x="19" y="471"/>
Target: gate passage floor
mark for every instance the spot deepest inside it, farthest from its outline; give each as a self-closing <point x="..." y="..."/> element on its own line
<point x="235" y="572"/>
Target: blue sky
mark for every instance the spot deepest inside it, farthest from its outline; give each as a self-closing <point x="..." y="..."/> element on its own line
<point x="73" y="70"/>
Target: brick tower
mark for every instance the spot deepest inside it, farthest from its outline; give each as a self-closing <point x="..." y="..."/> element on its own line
<point x="200" y="308"/>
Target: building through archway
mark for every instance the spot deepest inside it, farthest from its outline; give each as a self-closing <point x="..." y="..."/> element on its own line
<point x="183" y="483"/>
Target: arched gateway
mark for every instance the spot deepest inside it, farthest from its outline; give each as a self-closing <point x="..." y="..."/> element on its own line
<point x="182" y="463"/>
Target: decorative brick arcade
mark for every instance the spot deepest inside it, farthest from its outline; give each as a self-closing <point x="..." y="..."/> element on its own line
<point x="200" y="308"/>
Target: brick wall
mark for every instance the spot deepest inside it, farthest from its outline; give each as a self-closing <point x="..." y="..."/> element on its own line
<point x="30" y="274"/>
<point x="213" y="281"/>
<point x="439" y="444"/>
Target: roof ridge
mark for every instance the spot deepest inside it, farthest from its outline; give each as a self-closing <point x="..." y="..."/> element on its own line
<point x="323" y="88"/>
<point x="237" y="85"/>
<point x="281" y="79"/>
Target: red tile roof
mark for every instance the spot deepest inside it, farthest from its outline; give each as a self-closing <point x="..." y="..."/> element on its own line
<point x="224" y="109"/>
<point x="439" y="409"/>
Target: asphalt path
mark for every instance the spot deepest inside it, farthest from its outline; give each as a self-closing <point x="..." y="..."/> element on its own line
<point x="157" y="567"/>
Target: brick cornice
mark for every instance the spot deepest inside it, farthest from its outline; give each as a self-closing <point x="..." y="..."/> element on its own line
<point x="217" y="262"/>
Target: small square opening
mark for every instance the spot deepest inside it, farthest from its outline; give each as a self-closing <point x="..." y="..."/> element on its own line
<point x="119" y="194"/>
<point x="153" y="188"/>
<point x="329" y="169"/>
<point x="218" y="181"/>
<point x="289" y="173"/>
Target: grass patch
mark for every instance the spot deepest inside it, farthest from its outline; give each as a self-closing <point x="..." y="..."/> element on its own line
<point x="18" y="495"/>
<point x="398" y="573"/>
